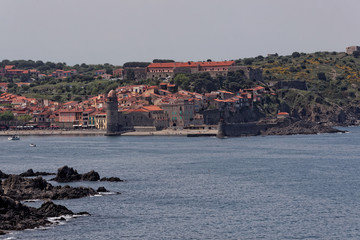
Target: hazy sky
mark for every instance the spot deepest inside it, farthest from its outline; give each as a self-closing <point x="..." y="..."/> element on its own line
<point x="118" y="31"/>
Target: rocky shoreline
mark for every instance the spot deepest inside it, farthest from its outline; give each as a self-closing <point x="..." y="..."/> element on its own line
<point x="276" y="127"/>
<point x="15" y="215"/>
<point x="301" y="127"/>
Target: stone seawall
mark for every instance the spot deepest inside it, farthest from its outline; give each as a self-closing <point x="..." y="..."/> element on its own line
<point x="245" y="129"/>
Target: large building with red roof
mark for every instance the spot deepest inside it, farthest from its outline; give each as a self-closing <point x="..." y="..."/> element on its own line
<point x="221" y="68"/>
<point x="168" y="70"/>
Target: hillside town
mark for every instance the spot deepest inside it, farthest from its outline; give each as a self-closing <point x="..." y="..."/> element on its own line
<point x="143" y="107"/>
<point x="165" y="94"/>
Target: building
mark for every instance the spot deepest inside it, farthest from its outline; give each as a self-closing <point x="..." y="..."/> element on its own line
<point x="165" y="71"/>
<point x="352" y="49"/>
<point x="100" y="72"/>
<point x="63" y="74"/>
<point x="4" y="87"/>
<point x="119" y="72"/>
<point x="168" y="70"/>
<point x="179" y="111"/>
<point x="134" y="73"/>
<point x="112" y="114"/>
<point x="159" y="116"/>
<point x="70" y="118"/>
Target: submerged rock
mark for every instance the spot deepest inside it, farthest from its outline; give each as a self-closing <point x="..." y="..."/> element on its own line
<point x="111" y="179"/>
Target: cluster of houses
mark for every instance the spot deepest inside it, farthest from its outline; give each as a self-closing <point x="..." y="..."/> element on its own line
<point x="161" y="71"/>
<point x="11" y="71"/>
<point x="140" y="106"/>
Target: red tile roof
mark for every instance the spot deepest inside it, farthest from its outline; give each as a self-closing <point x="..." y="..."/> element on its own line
<point x="152" y="108"/>
<point x="191" y="64"/>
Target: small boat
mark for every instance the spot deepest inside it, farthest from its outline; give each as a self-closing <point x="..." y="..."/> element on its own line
<point x="32" y="145"/>
<point x="13" y="138"/>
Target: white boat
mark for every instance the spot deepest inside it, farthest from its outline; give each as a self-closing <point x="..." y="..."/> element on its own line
<point x="14" y="138"/>
<point x="32" y="145"/>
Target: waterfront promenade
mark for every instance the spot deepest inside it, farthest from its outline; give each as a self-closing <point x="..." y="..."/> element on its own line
<point x="166" y="132"/>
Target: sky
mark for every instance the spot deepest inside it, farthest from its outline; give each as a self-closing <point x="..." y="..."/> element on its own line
<point x="119" y="31"/>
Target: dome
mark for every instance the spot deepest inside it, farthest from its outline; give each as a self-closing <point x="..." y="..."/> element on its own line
<point x="111" y="94"/>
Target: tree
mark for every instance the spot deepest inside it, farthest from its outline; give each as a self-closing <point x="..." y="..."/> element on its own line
<point x="234" y="86"/>
<point x="24" y="118"/>
<point x="57" y="98"/>
<point x="356" y="54"/>
<point x="136" y="64"/>
<point x="295" y="54"/>
<point x="112" y="86"/>
<point x="6" y="116"/>
<point x="248" y="61"/>
<point x="162" y="60"/>
<point x="77" y="99"/>
<point x="182" y="81"/>
<point x="321" y="76"/>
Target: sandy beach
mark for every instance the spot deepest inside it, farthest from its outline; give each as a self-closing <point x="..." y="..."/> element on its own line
<point x="166" y="132"/>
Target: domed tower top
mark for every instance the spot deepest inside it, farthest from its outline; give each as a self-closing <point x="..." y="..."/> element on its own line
<point x="112" y="94"/>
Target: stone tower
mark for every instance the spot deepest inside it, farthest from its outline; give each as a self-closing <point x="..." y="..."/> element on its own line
<point x="112" y="114"/>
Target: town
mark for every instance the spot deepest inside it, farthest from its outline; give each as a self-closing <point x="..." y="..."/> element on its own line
<point x="142" y="107"/>
<point x="164" y="94"/>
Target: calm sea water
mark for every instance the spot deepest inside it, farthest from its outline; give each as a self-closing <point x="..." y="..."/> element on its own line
<point x="276" y="187"/>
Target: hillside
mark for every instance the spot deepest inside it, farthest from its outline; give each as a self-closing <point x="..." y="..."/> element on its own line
<point x="332" y="80"/>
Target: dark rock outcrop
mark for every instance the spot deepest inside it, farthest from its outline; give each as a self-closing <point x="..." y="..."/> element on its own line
<point x="3" y="175"/>
<point x="31" y="173"/>
<point x="20" y="188"/>
<point x="50" y="209"/>
<point x="16" y="216"/>
<point x="90" y="176"/>
<point x="111" y="179"/>
<point x="66" y="174"/>
<point x="300" y="127"/>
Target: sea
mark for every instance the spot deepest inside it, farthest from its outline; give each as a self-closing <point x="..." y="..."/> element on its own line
<point x="273" y="187"/>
